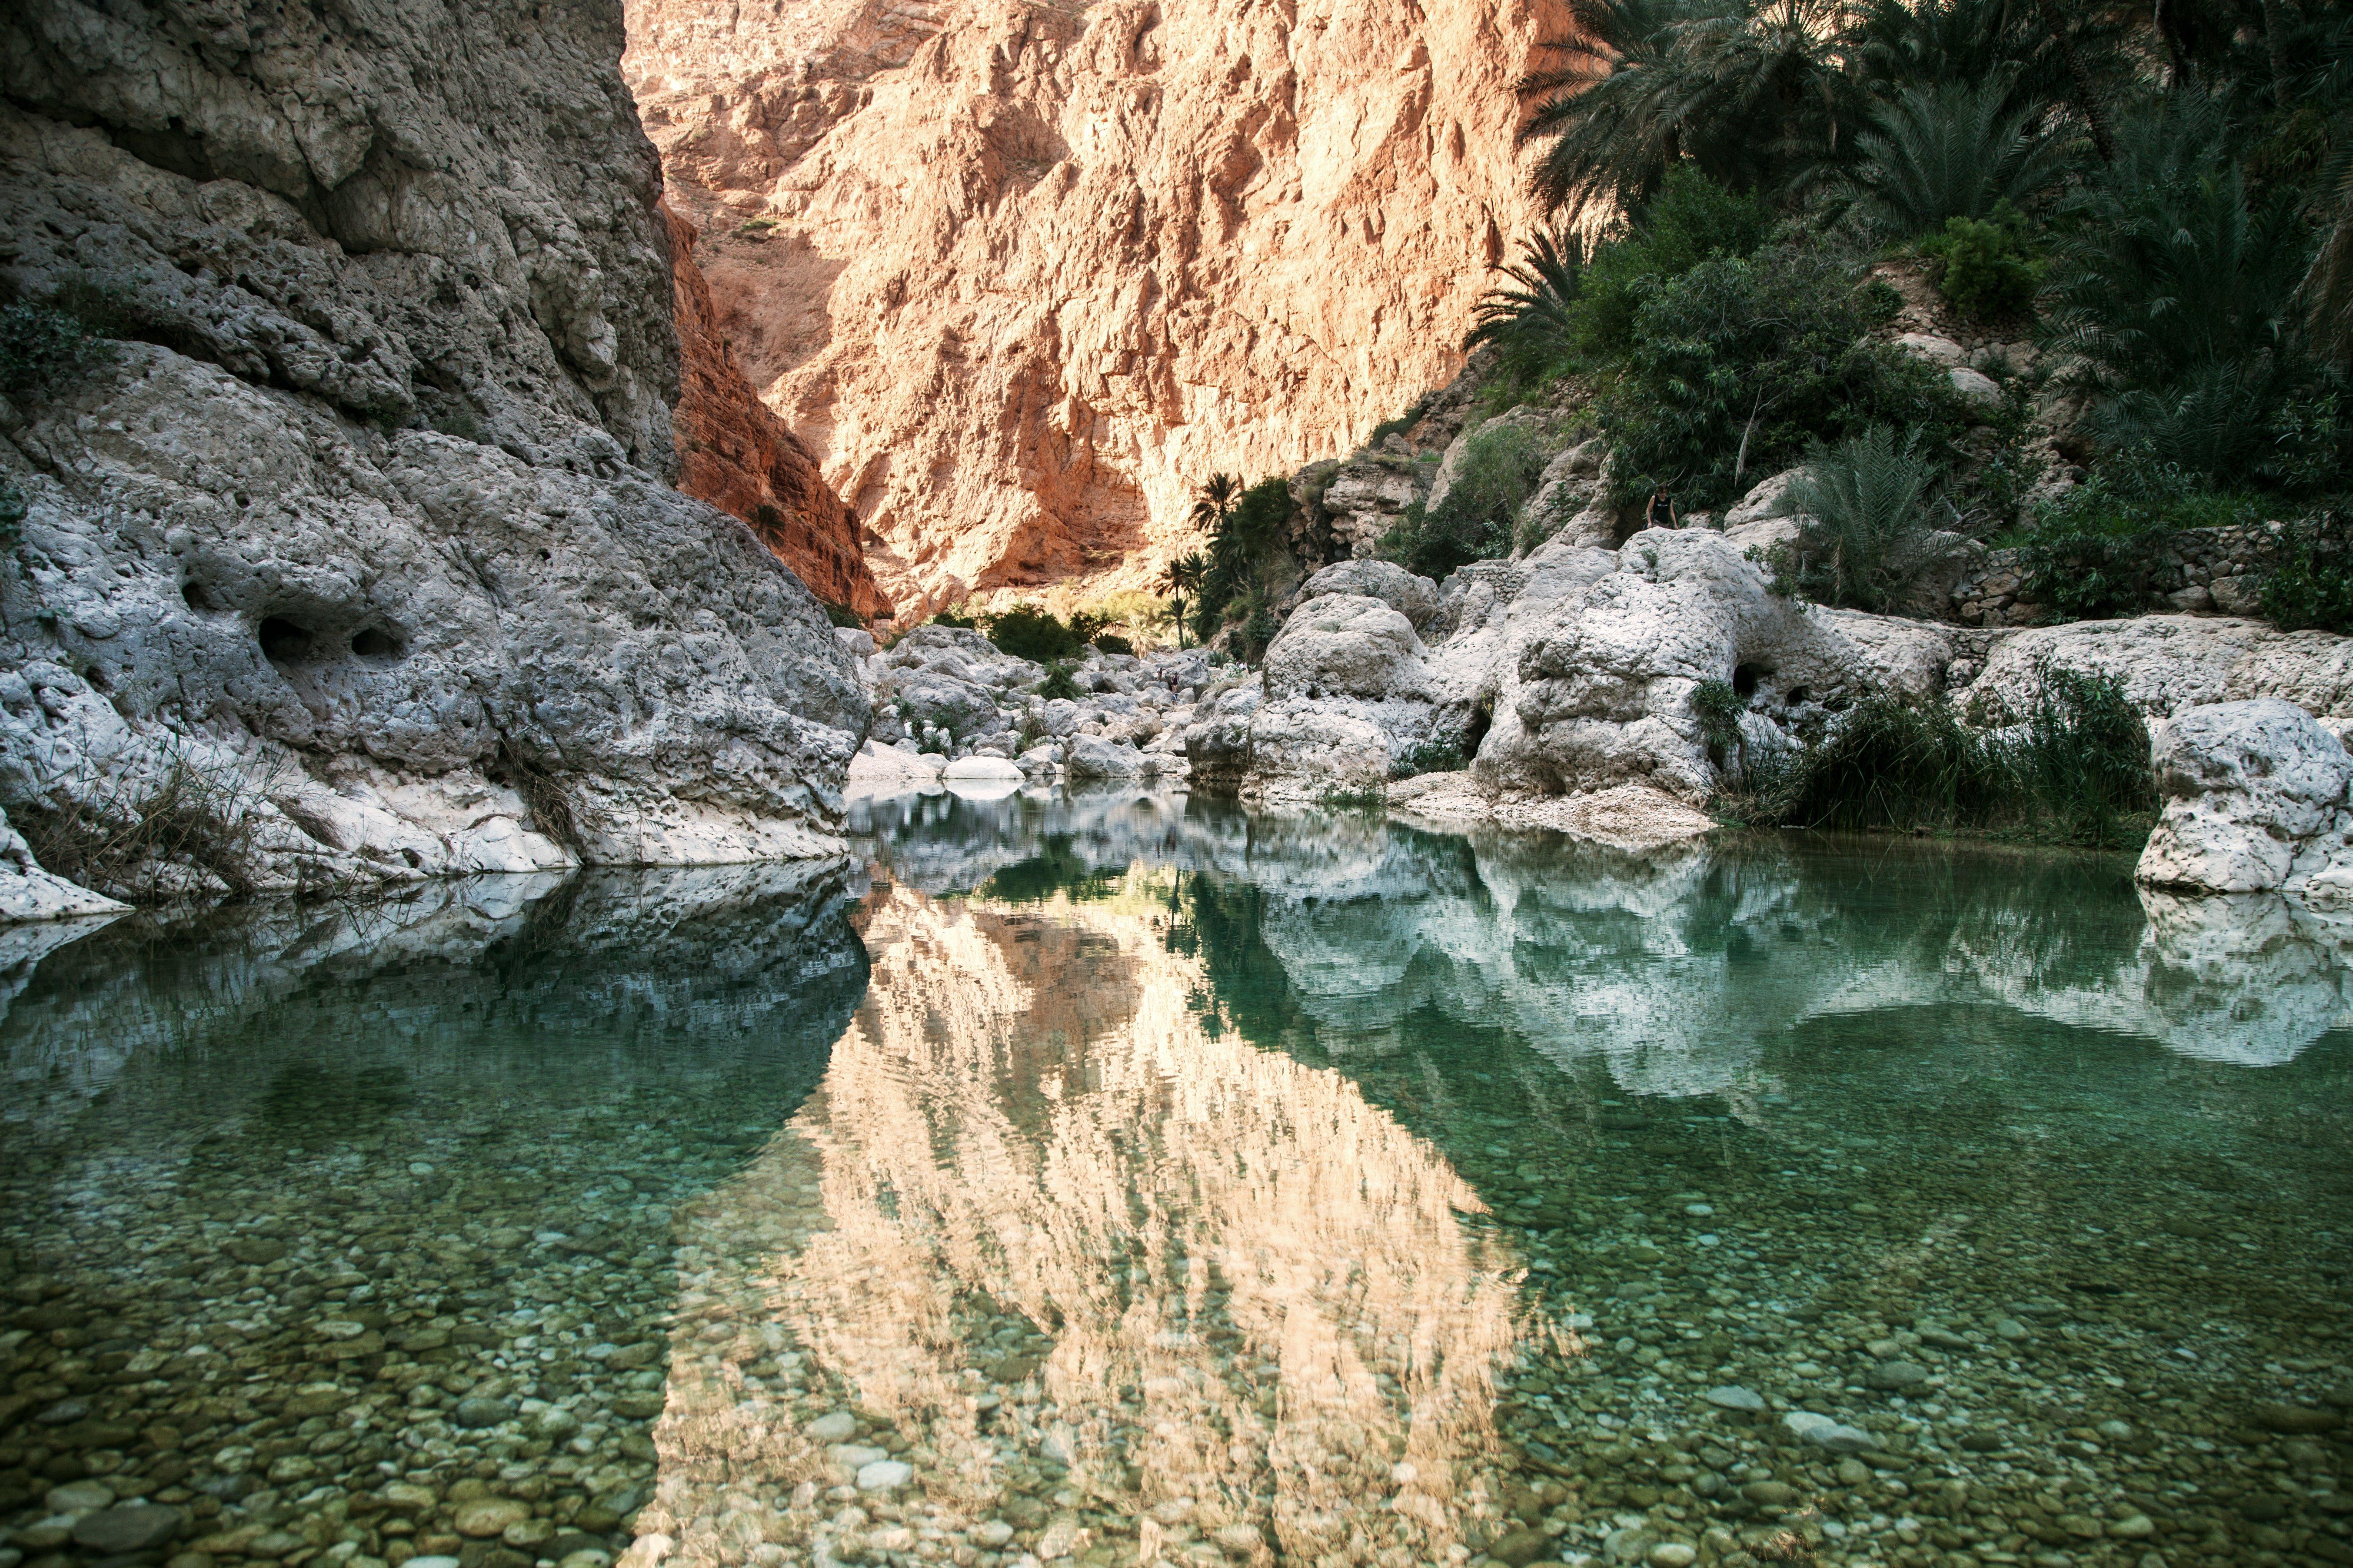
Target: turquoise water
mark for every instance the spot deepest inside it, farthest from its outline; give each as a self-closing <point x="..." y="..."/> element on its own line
<point x="1116" y="1180"/>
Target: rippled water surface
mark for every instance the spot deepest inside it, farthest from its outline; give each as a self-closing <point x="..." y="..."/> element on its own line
<point x="1116" y="1181"/>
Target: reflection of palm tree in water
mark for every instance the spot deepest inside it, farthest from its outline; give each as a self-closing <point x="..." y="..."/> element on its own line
<point x="1230" y="1280"/>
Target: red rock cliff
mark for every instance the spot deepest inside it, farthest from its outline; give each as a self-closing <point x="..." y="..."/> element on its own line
<point x="1024" y="273"/>
<point x="738" y="455"/>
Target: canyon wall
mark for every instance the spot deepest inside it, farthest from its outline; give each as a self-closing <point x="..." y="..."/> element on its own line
<point x="336" y="450"/>
<point x="1024" y="274"/>
<point x="734" y="453"/>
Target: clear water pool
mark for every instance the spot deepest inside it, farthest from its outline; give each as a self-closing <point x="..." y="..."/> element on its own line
<point x="1111" y="1180"/>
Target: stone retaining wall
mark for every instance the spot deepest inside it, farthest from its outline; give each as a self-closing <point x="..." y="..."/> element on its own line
<point x="2219" y="569"/>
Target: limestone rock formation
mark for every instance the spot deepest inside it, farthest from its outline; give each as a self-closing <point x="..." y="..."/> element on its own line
<point x="361" y="562"/>
<point x="738" y="455"/>
<point x="1024" y="275"/>
<point x="2167" y="663"/>
<point x="2255" y="800"/>
<point x="1570" y="673"/>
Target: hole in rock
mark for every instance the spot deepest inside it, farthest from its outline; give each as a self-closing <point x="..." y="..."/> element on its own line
<point x="374" y="642"/>
<point x="283" y="641"/>
<point x="197" y="596"/>
<point x="1799" y="694"/>
<point x="1483" y="718"/>
<point x="1745" y="678"/>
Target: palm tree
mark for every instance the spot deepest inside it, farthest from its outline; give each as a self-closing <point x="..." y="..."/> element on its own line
<point x="1213" y="501"/>
<point x="1953" y="150"/>
<point x="1181" y="577"/>
<point x="1530" y="322"/>
<point x="1745" y="91"/>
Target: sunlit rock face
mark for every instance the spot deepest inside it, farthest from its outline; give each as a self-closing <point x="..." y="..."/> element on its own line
<point x="1024" y="275"/>
<point x="1041" y="1207"/>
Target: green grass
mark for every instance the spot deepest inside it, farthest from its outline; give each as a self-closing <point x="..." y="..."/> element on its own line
<point x="2073" y="769"/>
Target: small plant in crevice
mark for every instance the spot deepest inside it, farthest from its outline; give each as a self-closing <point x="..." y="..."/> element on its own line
<point x="43" y="350"/>
<point x="14" y="508"/>
<point x="1718" y="707"/>
<point x="843" y="615"/>
<point x="1368" y="799"/>
<point x="1058" y="684"/>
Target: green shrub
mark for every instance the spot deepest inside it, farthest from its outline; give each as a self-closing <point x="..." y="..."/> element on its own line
<point x="1986" y="273"/>
<point x="1400" y="425"/>
<point x="2074" y="768"/>
<point x="1475" y="519"/>
<point x="843" y="615"/>
<point x="1058" y="683"/>
<point x="1870" y="527"/>
<point x="2312" y="584"/>
<point x="957" y="616"/>
<point x="2174" y="287"/>
<point x="1026" y="631"/>
<point x="1692" y="219"/>
<point x="13" y="510"/>
<point x="1718" y="707"/>
<point x="1113" y="643"/>
<point x="1737" y="365"/>
<point x="2092" y="553"/>
<point x="1439" y="756"/>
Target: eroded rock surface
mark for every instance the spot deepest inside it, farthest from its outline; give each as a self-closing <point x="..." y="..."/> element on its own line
<point x="1026" y="274"/>
<point x="2255" y="800"/>
<point x="738" y="455"/>
<point x="1571" y="673"/>
<point x="363" y="562"/>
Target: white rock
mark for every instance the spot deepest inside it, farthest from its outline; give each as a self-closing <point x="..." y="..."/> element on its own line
<point x="1823" y="1432"/>
<point x="1415" y="598"/>
<point x="1974" y="388"/>
<point x="1928" y="346"/>
<point x="1767" y="498"/>
<point x="879" y="770"/>
<point x="2255" y="799"/>
<point x="1347" y="644"/>
<point x="1093" y="757"/>
<point x="2167" y="663"/>
<point x="884" y="1475"/>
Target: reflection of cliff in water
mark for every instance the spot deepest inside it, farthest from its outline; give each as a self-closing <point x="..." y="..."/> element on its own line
<point x="1062" y="1232"/>
<point x="1675" y="968"/>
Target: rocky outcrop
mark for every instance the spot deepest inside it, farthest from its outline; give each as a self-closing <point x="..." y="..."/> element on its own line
<point x="2170" y="663"/>
<point x="361" y="562"/>
<point x="736" y="455"/>
<point x="946" y="696"/>
<point x="1024" y="275"/>
<point x="2256" y="800"/>
<point x="1568" y="674"/>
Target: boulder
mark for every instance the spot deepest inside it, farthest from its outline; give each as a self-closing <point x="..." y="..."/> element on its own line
<point x="1415" y="598"/>
<point x="1093" y="757"/>
<point x="2255" y="799"/>
<point x="1933" y="349"/>
<point x="1769" y="498"/>
<point x="380" y="558"/>
<point x="1348" y="644"/>
<point x="1974" y="388"/>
